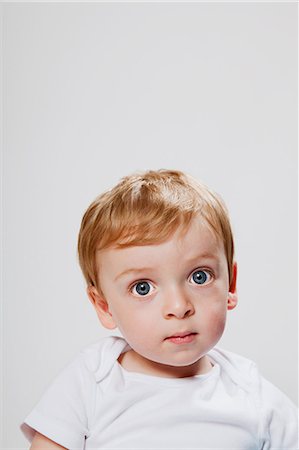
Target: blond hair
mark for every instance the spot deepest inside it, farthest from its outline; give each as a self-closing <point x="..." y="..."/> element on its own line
<point x="147" y="208"/>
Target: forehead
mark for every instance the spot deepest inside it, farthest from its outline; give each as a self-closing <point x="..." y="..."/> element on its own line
<point x="198" y="240"/>
<point x="197" y="233"/>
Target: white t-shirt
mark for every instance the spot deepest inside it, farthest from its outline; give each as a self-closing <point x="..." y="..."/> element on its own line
<point x="95" y="403"/>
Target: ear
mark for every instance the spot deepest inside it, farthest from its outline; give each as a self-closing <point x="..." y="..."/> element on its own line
<point x="102" y="308"/>
<point x="232" y="300"/>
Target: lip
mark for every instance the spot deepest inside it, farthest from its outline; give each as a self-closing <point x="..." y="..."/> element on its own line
<point x="182" y="338"/>
<point x="181" y="334"/>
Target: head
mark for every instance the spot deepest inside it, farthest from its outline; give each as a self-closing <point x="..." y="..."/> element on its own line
<point x="157" y="253"/>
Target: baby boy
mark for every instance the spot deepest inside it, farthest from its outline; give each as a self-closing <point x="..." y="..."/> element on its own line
<point x="157" y="253"/>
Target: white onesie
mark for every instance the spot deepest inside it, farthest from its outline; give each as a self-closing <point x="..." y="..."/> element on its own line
<point x="95" y="403"/>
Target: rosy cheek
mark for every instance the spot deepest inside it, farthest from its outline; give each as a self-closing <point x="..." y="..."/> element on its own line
<point x="215" y="316"/>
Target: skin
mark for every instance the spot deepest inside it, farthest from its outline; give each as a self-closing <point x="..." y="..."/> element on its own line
<point x="41" y="442"/>
<point x="176" y="302"/>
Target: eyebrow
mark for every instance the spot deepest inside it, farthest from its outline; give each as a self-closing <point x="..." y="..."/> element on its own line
<point x="206" y="255"/>
<point x="151" y="269"/>
<point x="139" y="270"/>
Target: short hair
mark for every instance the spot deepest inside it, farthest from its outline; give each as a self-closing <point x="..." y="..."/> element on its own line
<point x="146" y="208"/>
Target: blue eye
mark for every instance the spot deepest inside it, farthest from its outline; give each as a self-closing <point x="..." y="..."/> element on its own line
<point x="200" y="276"/>
<point x="141" y="288"/>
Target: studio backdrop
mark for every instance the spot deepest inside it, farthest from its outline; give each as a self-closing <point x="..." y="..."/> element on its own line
<point x="94" y="91"/>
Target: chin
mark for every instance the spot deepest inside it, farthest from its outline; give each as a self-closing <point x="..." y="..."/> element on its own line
<point x="181" y="362"/>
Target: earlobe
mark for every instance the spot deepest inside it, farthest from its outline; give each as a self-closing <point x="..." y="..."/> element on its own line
<point x="102" y="308"/>
<point x="232" y="300"/>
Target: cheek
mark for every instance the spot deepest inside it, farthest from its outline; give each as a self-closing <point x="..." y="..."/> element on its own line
<point x="214" y="317"/>
<point x="218" y="323"/>
<point x="130" y="317"/>
<point x="137" y="325"/>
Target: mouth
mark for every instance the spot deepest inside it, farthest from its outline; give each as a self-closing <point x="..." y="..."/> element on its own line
<point x="181" y="338"/>
<point x="182" y="334"/>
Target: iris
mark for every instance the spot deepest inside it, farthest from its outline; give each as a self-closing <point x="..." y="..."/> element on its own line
<point x="199" y="277"/>
<point x="142" y="288"/>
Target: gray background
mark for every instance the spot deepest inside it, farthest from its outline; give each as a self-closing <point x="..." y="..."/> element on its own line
<point x="92" y="92"/>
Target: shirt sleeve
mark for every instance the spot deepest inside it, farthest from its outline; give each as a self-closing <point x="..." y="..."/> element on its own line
<point x="64" y="412"/>
<point x="280" y="419"/>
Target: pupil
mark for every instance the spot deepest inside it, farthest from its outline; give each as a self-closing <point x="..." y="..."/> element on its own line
<point x="142" y="288"/>
<point x="199" y="277"/>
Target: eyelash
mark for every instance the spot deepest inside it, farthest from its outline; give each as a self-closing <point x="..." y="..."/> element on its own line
<point x="209" y="272"/>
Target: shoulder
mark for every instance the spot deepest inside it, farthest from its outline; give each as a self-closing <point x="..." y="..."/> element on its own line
<point x="92" y="363"/>
<point x="71" y="396"/>
<point x="245" y="372"/>
<point x="273" y="399"/>
<point x="279" y="424"/>
<point x="99" y="357"/>
<point x="241" y="370"/>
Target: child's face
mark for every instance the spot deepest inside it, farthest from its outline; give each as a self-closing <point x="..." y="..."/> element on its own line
<point x="156" y="291"/>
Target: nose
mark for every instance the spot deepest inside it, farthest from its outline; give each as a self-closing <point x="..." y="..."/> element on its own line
<point x="177" y="304"/>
